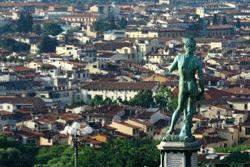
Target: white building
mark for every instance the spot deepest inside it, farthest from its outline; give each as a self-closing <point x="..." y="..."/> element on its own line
<point x="59" y="97"/>
<point x="164" y="2"/>
<point x="67" y="50"/>
<point x="105" y="10"/>
<point x="200" y="11"/>
<point x="112" y="35"/>
<point x="116" y="90"/>
<point x="6" y="77"/>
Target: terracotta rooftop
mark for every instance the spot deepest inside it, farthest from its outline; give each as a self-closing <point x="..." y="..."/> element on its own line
<point x="105" y="111"/>
<point x="128" y="125"/>
<point x="218" y="27"/>
<point x="112" y="45"/>
<point x="210" y="140"/>
<point x="99" y="85"/>
<point x="36" y="103"/>
<point x="21" y="68"/>
<point x="70" y="116"/>
<point x="145" y="115"/>
<point x="5" y="113"/>
<point x="144" y="122"/>
<point x="238" y="91"/>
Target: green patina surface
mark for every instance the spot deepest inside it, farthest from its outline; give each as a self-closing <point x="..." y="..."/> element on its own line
<point x="188" y="65"/>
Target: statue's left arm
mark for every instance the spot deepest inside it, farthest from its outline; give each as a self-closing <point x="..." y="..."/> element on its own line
<point x="174" y="65"/>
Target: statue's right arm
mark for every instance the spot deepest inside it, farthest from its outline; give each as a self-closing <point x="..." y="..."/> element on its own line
<point x="174" y="65"/>
<point x="201" y="77"/>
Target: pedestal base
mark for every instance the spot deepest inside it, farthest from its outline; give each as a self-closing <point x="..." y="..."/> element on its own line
<point x="179" y="154"/>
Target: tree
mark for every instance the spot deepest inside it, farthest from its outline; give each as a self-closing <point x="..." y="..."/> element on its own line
<point x="144" y="99"/>
<point x="208" y="22"/>
<point x="43" y="155"/>
<point x="109" y="101"/>
<point x="112" y="24"/>
<point x="13" y="45"/>
<point x="123" y="23"/>
<point x="215" y="19"/>
<point x="238" y="24"/>
<point x="237" y="158"/>
<point x="197" y="26"/>
<point x="37" y="29"/>
<point x="25" y="22"/>
<point x="233" y="149"/>
<point x="162" y="98"/>
<point x="165" y="100"/>
<point x="101" y="25"/>
<point x="98" y="100"/>
<point x="224" y="20"/>
<point x="73" y="29"/>
<point x="8" y="28"/>
<point x="15" y="154"/>
<point x="172" y="105"/>
<point x="114" y="153"/>
<point x="196" y="17"/>
<point x="47" y="45"/>
<point x="51" y="29"/>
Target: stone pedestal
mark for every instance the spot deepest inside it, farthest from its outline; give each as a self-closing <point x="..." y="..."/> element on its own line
<point x="179" y="154"/>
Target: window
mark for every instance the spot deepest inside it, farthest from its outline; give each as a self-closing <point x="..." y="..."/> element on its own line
<point x="241" y="120"/>
<point x="245" y="107"/>
<point x="247" y="131"/>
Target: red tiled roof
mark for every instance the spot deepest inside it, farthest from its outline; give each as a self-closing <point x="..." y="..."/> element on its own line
<point x="107" y="111"/>
<point x="21" y="68"/>
<point x="5" y="113"/>
<point x="210" y="140"/>
<point x="99" y="85"/>
<point x="218" y="27"/>
<point x="112" y="45"/>
<point x="70" y="116"/>
<point x="38" y="104"/>
<point x="141" y="122"/>
<point x="238" y="90"/>
<point x="128" y="125"/>
<point x="213" y="94"/>
<point x="145" y="115"/>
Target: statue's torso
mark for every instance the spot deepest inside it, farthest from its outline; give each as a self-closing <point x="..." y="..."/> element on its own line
<point x="187" y="67"/>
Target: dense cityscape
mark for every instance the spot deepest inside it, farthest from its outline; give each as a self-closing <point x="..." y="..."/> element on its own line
<point x="86" y="82"/>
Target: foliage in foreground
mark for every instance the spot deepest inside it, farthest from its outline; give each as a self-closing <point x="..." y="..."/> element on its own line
<point x="232" y="149"/>
<point x="116" y="153"/>
<point x="14" y="154"/>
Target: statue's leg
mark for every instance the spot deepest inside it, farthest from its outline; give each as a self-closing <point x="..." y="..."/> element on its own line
<point x="187" y="124"/>
<point x="181" y="105"/>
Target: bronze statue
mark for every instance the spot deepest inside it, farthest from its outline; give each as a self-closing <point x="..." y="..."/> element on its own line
<point x="188" y="66"/>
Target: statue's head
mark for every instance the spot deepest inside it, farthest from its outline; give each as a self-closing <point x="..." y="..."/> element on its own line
<point x="189" y="45"/>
